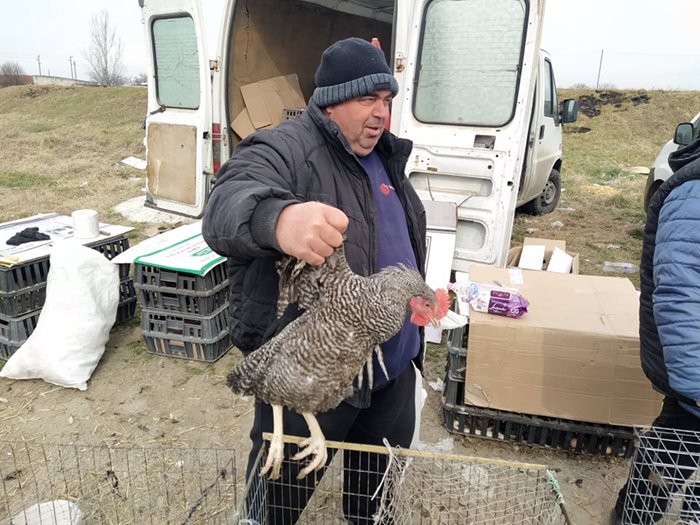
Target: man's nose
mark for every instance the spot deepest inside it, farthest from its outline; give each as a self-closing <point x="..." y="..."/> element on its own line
<point x="380" y="109"/>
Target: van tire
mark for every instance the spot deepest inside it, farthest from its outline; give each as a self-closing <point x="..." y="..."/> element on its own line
<point x="547" y="201"/>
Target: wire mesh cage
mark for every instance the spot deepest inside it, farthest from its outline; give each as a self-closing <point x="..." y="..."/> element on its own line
<point x="365" y="484"/>
<point x="663" y="485"/>
<point x="46" y="484"/>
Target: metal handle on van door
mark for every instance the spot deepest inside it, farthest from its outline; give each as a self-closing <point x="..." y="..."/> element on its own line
<point x="541" y="131"/>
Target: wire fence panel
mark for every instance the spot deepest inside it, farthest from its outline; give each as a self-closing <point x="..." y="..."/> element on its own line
<point x="365" y="484"/>
<point x="663" y="485"/>
<point x="61" y="484"/>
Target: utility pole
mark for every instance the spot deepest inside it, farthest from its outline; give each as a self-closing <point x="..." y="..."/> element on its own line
<point x="70" y="61"/>
<point x="38" y="59"/>
<point x="600" y="66"/>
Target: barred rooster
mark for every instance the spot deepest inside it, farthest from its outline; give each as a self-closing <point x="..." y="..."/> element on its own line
<point x="310" y="365"/>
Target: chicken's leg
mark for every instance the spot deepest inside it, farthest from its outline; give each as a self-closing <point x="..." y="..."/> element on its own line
<point x="275" y="454"/>
<point x="314" y="444"/>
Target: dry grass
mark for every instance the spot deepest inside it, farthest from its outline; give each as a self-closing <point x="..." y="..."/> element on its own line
<point x="601" y="207"/>
<point x="61" y="147"/>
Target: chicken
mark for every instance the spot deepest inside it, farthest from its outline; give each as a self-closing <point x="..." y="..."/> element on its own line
<point x="310" y="365"/>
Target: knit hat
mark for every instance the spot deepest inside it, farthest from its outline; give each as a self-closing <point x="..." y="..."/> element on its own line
<point x="351" y="68"/>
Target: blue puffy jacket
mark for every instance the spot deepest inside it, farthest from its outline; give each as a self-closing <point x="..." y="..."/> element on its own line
<point x="670" y="283"/>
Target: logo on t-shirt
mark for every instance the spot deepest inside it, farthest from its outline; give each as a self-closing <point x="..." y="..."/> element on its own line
<point x="385" y="188"/>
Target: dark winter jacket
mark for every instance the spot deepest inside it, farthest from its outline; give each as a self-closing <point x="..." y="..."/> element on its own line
<point x="669" y="310"/>
<point x="303" y="159"/>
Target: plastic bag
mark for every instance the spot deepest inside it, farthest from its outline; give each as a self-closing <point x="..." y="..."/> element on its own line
<point x="82" y="296"/>
<point x="492" y="299"/>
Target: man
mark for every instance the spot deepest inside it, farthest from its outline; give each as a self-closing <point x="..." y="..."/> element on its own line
<point x="669" y="337"/>
<point x="330" y="176"/>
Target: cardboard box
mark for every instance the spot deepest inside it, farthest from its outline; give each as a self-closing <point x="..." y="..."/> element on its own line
<point x="265" y="102"/>
<point x="441" y="236"/>
<point x="573" y="355"/>
<point x="550" y="245"/>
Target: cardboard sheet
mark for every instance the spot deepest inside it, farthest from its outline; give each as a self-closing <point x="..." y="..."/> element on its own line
<point x="265" y="102"/>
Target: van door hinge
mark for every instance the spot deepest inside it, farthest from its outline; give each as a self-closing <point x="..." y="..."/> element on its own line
<point x="399" y="62"/>
<point x="214" y="65"/>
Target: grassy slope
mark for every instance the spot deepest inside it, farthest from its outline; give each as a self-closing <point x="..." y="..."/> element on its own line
<point x="601" y="207"/>
<point x="61" y="148"/>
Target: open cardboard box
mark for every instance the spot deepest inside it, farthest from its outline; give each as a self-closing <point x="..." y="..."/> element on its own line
<point x="265" y="102"/>
<point x="573" y="355"/>
<point x="550" y="246"/>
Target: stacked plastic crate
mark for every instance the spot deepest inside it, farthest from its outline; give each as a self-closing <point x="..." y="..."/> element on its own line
<point x="183" y="314"/>
<point x="23" y="293"/>
<point x="519" y="428"/>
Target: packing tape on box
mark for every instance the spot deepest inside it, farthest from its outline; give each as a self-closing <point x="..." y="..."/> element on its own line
<point x="85" y="224"/>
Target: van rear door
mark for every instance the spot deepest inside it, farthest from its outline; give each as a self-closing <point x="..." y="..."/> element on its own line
<point x="179" y="118"/>
<point x="466" y="71"/>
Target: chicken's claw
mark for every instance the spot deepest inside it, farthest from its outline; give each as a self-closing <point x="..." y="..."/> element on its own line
<point x="275" y="456"/>
<point x="315" y="446"/>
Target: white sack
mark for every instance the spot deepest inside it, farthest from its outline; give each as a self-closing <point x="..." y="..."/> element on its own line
<point x="82" y="296"/>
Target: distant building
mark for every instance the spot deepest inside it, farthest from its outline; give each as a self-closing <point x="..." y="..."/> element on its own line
<point x="61" y="81"/>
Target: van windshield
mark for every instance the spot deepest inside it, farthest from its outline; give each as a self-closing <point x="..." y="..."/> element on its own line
<point x="469" y="61"/>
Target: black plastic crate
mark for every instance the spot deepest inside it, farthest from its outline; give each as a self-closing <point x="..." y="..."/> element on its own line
<point x="457" y="353"/>
<point x="17" y="278"/>
<point x="169" y="323"/>
<point x="111" y="249"/>
<point x="541" y="431"/>
<point x="7" y="348"/>
<point x="17" y="329"/>
<point x="207" y="350"/>
<point x="189" y="302"/>
<point x="127" y="301"/>
<point x="125" y="311"/>
<point x="174" y="280"/>
<point x="23" y="301"/>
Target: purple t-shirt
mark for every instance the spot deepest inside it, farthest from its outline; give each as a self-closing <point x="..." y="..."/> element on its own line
<point x="393" y="247"/>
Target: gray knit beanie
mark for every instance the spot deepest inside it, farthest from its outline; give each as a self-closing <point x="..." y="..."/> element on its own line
<point x="351" y="68"/>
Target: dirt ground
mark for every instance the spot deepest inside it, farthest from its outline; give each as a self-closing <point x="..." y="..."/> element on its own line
<point x="137" y="398"/>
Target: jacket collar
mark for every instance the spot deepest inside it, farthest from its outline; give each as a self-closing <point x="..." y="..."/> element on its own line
<point x="684" y="155"/>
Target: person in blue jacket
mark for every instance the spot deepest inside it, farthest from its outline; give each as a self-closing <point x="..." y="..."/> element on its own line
<point x="669" y="339"/>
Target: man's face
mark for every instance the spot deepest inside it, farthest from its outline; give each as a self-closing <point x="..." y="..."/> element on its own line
<point x="361" y="120"/>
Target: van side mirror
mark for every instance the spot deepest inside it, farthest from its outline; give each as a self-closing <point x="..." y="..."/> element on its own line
<point x="569" y="111"/>
<point x="684" y="134"/>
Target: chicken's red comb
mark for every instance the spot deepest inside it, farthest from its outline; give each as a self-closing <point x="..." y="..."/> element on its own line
<point x="442" y="303"/>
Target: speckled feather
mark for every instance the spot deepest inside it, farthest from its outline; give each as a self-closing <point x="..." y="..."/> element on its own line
<point x="310" y="365"/>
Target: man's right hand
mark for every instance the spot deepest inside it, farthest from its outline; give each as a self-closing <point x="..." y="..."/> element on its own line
<point x="310" y="231"/>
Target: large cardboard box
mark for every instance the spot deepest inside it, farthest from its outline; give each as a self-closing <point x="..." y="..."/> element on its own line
<point x="550" y="246"/>
<point x="573" y="355"/>
<point x="265" y="102"/>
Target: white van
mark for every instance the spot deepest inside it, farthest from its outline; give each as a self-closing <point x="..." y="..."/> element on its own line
<point x="477" y="97"/>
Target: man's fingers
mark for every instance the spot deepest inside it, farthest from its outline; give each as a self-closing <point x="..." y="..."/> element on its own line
<point x="310" y="231"/>
<point x="331" y="237"/>
<point x="336" y="218"/>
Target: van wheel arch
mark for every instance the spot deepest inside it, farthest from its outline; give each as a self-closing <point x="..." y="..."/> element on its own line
<point x="546" y="201"/>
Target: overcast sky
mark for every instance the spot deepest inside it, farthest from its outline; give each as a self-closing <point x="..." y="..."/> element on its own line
<point x="646" y="43"/>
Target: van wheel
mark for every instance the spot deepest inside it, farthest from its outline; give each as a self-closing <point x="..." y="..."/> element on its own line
<point x="548" y="199"/>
